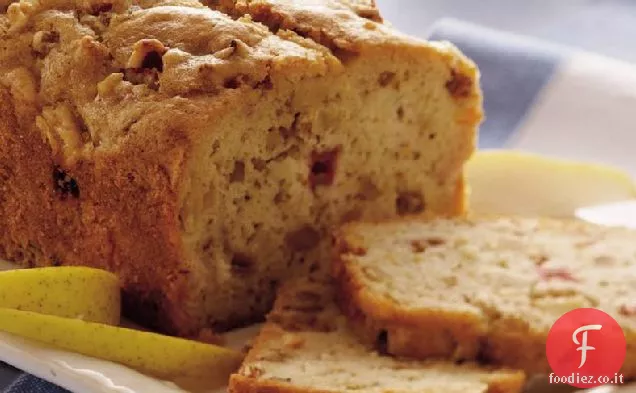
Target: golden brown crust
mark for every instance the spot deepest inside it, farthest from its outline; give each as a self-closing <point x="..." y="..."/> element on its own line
<point x="45" y="224"/>
<point x="331" y="23"/>
<point x="341" y="25"/>
<point x="106" y="204"/>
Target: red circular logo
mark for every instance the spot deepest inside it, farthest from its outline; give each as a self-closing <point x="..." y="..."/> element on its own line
<point x="586" y="348"/>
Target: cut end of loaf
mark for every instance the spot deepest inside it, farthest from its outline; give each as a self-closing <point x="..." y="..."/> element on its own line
<point x="293" y="163"/>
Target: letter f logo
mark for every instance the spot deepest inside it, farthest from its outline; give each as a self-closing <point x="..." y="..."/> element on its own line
<point x="583" y="344"/>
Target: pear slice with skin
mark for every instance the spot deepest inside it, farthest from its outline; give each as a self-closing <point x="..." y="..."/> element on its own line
<point x="165" y="357"/>
<point x="70" y="292"/>
<point x="528" y="184"/>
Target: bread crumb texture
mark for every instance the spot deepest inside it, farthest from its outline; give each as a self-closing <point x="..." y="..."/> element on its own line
<point x="484" y="288"/>
<point x="203" y="151"/>
<point x="306" y="346"/>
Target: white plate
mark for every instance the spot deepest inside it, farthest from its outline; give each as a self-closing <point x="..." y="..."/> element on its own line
<point x="82" y="374"/>
<point x="616" y="214"/>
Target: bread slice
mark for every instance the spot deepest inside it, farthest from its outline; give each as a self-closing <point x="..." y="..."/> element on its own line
<point x="203" y="156"/>
<point x="483" y="288"/>
<point x="306" y="346"/>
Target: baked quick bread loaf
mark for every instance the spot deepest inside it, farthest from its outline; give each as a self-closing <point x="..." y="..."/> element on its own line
<point x="306" y="346"/>
<point x="483" y="288"/>
<point x="204" y="156"/>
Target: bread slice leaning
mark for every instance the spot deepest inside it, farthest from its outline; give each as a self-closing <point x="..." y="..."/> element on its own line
<point x="483" y="288"/>
<point x="306" y="346"/>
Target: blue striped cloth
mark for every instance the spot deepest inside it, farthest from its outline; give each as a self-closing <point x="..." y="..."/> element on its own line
<point x="513" y="72"/>
<point x="26" y="383"/>
<point x="522" y="80"/>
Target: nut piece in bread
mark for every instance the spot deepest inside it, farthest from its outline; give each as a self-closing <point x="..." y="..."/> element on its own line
<point x="487" y="288"/>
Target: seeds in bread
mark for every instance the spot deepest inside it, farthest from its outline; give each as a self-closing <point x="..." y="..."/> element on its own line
<point x="203" y="156"/>
<point x="483" y="288"/>
<point x="306" y="346"/>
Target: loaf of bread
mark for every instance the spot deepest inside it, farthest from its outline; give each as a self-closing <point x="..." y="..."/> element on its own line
<point x="306" y="346"/>
<point x="483" y="288"/>
<point x="203" y="152"/>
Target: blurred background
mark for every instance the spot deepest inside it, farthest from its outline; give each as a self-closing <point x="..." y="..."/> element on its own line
<point x="604" y="26"/>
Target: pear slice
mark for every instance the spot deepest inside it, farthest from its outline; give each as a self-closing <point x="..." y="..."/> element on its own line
<point x="71" y="292"/>
<point x="513" y="182"/>
<point x="169" y="358"/>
